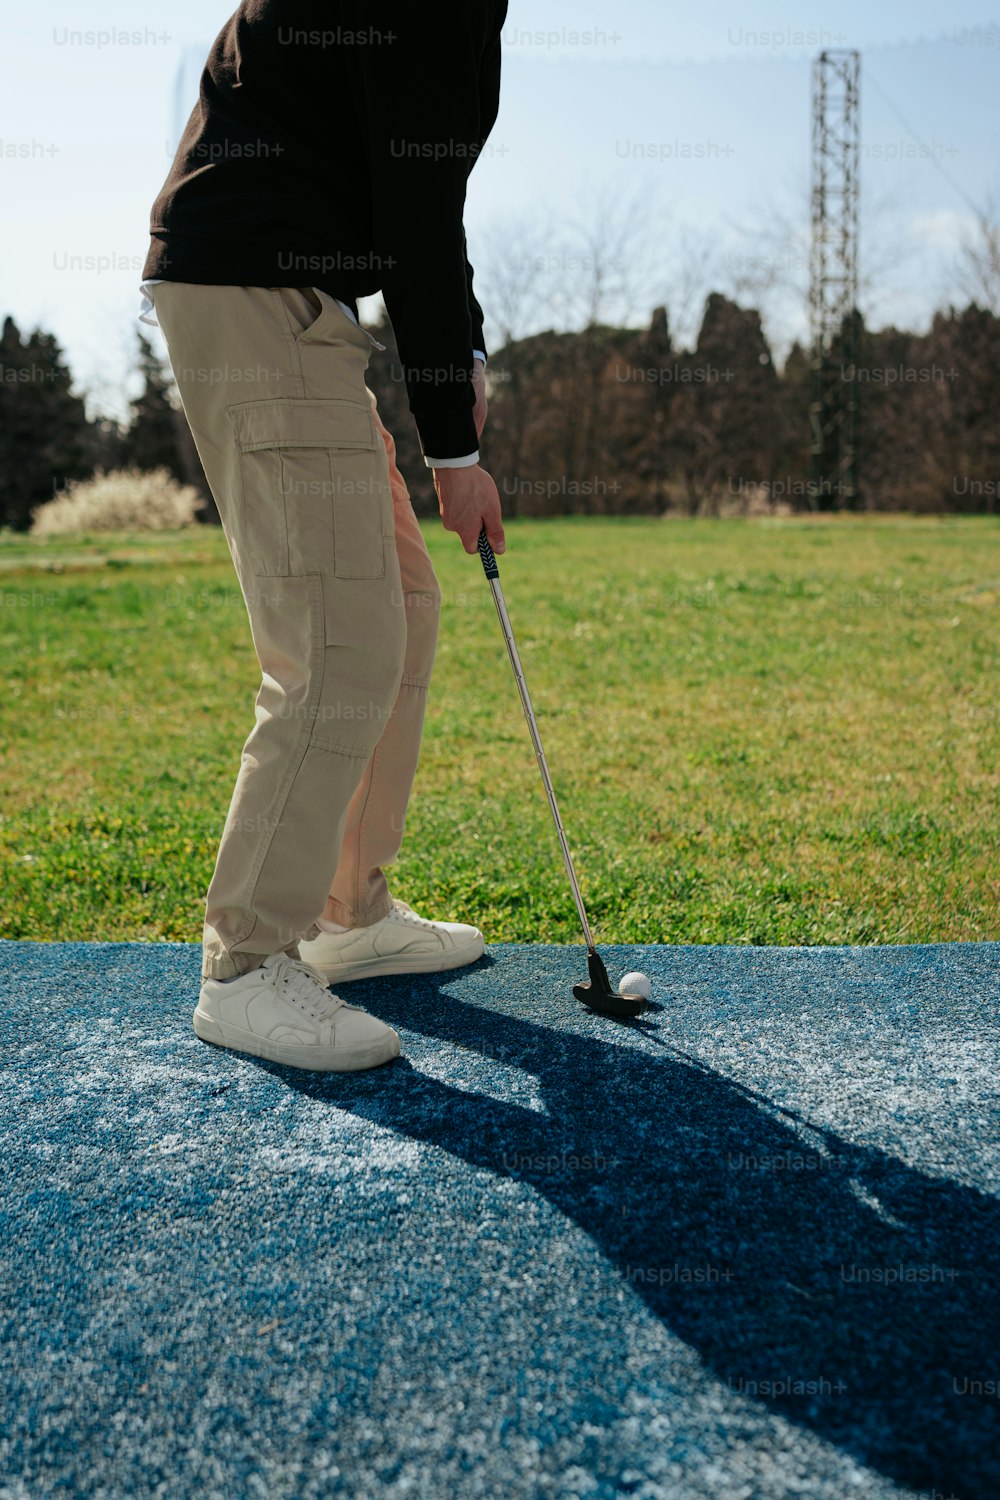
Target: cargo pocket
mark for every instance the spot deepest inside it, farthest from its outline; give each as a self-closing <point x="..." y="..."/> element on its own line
<point x="315" y="488"/>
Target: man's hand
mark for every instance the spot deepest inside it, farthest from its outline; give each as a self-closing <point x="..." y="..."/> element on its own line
<point x="479" y="386"/>
<point x="468" y="501"/>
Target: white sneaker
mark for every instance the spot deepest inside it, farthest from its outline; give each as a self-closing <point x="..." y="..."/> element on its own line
<point x="285" y="1012"/>
<point x="402" y="943"/>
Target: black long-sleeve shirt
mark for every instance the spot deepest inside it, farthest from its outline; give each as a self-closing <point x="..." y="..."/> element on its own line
<point x="331" y="146"/>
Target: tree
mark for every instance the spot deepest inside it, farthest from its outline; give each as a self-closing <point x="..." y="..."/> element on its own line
<point x="158" y="435"/>
<point x="978" y="271"/>
<point x="45" y="439"/>
<point x="385" y="377"/>
<point x="151" y="437"/>
<point x="791" y="418"/>
<point x="655" y="369"/>
<point x="512" y="285"/>
<point x="959" y="422"/>
<point x="723" y="415"/>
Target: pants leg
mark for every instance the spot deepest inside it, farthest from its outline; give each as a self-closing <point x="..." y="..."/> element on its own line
<point x="272" y="382"/>
<point x="376" y="818"/>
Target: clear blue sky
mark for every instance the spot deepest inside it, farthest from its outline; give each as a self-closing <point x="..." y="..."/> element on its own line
<point x="88" y="130"/>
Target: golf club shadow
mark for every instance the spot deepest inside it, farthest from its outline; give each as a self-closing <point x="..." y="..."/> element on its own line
<point x="840" y="1286"/>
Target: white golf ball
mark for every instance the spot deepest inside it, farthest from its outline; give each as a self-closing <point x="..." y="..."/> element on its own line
<point x="635" y="984"/>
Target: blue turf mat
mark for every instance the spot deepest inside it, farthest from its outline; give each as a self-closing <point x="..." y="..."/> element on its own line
<point x="747" y="1248"/>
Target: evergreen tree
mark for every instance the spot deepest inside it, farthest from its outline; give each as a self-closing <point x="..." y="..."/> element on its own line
<point x="656" y="362"/>
<point x="724" y="428"/>
<point x="158" y="435"/>
<point x="45" y="439"/>
<point x="792" y="426"/>
<point x="151" y="440"/>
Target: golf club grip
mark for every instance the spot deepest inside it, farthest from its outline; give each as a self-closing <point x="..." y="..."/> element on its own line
<point x="486" y="553"/>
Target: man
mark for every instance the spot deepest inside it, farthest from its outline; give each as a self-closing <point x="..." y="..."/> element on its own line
<point x="327" y="159"/>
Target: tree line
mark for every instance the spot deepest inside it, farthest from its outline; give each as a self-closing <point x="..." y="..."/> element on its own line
<point x="604" y="420"/>
<point x="617" y="421"/>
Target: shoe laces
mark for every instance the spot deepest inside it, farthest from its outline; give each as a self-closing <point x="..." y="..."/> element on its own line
<point x="305" y="987"/>
<point x="406" y="913"/>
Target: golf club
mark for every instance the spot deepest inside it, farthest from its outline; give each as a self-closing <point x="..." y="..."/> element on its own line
<point x="596" y="993"/>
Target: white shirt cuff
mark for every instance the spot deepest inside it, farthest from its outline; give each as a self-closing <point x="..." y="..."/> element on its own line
<point x="465" y="462"/>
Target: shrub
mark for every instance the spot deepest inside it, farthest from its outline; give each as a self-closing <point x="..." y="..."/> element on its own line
<point x="124" y="500"/>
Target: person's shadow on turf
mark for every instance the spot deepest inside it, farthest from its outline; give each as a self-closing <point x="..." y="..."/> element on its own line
<point x="843" y="1288"/>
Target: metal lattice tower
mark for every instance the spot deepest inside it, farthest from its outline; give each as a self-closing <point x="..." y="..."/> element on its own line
<point x="833" y="279"/>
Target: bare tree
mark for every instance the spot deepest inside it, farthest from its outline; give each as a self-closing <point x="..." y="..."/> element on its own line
<point x="579" y="275"/>
<point x="511" y="280"/>
<point x="690" y="269"/>
<point x="978" y="271"/>
<point x="511" y="274"/>
<point x="771" y="271"/>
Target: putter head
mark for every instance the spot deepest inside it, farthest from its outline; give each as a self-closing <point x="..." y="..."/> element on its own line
<point x="598" y="995"/>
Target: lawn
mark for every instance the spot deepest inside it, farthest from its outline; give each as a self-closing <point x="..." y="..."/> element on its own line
<point x="769" y="731"/>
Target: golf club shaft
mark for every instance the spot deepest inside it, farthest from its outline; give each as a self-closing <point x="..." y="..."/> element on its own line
<point x="493" y="578"/>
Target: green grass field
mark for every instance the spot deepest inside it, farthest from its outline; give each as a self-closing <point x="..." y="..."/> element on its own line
<point x="776" y="732"/>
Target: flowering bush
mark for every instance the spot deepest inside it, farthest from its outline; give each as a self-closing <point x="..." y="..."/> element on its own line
<point x="124" y="500"/>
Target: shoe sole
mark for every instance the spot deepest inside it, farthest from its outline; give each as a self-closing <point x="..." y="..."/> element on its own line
<point x="319" y="1059"/>
<point x="404" y="963"/>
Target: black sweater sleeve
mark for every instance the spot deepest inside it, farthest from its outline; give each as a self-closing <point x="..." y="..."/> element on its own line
<point x="419" y="93"/>
<point x="475" y="316"/>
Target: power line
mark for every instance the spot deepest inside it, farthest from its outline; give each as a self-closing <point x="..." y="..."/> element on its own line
<point x="959" y="189"/>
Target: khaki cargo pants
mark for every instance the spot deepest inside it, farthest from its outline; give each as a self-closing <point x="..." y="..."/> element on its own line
<point x="343" y="606"/>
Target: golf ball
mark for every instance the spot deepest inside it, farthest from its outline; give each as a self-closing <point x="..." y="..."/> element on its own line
<point x="635" y="984"/>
